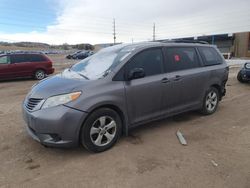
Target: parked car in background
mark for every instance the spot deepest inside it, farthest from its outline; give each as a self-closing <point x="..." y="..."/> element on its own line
<point x="91" y="53"/>
<point x="70" y="56"/>
<point x="18" y="65"/>
<point x="244" y="73"/>
<point x="80" y="54"/>
<point x="83" y="55"/>
<point x="120" y="87"/>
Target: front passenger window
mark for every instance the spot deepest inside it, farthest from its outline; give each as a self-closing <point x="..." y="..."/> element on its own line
<point x="150" y="60"/>
<point x="4" y="60"/>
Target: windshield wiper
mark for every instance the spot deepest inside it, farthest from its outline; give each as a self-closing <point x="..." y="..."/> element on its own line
<point x="83" y="75"/>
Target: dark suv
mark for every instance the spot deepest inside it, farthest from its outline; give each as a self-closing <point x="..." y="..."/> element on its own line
<point x="120" y="87"/>
<point x="15" y="65"/>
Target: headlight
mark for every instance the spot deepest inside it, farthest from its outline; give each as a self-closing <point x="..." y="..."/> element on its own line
<point x="61" y="99"/>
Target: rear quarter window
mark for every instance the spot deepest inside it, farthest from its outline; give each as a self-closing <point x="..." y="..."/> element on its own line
<point x="210" y="56"/>
<point x="37" y="58"/>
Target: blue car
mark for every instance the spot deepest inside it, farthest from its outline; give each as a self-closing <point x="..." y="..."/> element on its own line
<point x="244" y="74"/>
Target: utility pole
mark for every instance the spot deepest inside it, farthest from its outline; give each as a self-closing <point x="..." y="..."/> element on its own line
<point x="154" y="32"/>
<point x="114" y="31"/>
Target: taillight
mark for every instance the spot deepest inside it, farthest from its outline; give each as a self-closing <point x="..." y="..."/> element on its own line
<point x="49" y="65"/>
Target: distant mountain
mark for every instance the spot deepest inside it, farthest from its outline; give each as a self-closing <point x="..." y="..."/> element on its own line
<point x="38" y="45"/>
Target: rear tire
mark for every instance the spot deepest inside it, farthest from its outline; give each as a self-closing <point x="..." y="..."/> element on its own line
<point x="101" y="130"/>
<point x="40" y="74"/>
<point x="210" y="101"/>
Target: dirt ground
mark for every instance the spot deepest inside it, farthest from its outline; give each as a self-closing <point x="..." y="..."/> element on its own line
<point x="217" y="155"/>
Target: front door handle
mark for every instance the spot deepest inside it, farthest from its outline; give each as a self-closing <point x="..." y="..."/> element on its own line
<point x="165" y="80"/>
<point x="177" y="78"/>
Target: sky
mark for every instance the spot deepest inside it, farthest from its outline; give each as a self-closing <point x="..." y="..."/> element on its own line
<point x="91" y="21"/>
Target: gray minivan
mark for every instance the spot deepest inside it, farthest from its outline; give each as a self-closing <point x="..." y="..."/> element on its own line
<point x="100" y="98"/>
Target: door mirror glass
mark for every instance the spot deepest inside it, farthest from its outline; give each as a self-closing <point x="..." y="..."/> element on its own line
<point x="136" y="73"/>
<point x="247" y="65"/>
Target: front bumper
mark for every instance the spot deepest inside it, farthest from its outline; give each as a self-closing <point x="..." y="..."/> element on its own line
<point x="246" y="77"/>
<point x="56" y="127"/>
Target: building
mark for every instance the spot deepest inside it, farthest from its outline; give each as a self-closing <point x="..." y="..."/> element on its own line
<point x="242" y="44"/>
<point x="237" y="44"/>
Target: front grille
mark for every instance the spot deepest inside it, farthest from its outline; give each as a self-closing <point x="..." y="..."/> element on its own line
<point x="32" y="103"/>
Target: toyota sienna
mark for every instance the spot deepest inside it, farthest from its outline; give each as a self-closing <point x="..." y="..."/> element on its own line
<point x="100" y="98"/>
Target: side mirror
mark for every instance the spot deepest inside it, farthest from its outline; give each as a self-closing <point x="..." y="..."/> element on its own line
<point x="136" y="73"/>
<point x="247" y="65"/>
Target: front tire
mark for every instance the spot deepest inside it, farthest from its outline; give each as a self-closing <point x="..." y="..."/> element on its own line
<point x="239" y="77"/>
<point x="210" y="101"/>
<point x="101" y="130"/>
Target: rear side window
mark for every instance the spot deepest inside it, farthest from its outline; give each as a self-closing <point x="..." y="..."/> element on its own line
<point x="181" y="58"/>
<point x="210" y="56"/>
<point x="19" y="58"/>
<point x="37" y="58"/>
<point x="150" y="60"/>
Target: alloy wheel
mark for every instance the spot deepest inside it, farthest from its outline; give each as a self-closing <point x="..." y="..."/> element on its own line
<point x="103" y="131"/>
<point x="40" y="74"/>
<point x="211" y="101"/>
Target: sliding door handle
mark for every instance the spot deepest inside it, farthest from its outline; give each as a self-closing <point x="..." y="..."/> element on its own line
<point x="165" y="80"/>
<point x="177" y="78"/>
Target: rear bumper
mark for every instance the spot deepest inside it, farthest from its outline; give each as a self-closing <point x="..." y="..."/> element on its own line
<point x="56" y="127"/>
<point x="50" y="71"/>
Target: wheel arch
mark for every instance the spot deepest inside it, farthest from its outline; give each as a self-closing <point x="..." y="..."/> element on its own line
<point x="110" y="106"/>
<point x="39" y="68"/>
<point x="218" y="87"/>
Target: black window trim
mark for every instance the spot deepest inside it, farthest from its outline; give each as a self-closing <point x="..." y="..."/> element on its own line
<point x="200" y="62"/>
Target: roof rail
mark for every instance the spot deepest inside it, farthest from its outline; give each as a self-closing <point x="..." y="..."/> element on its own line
<point x="23" y="52"/>
<point x="184" y="41"/>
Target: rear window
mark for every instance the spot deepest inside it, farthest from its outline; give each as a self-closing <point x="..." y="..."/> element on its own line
<point x="181" y="58"/>
<point x="210" y="56"/>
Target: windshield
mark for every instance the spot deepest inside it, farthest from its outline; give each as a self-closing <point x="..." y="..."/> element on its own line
<point x="101" y="63"/>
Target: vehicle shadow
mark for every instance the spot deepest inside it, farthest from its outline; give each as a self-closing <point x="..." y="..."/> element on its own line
<point x="17" y="80"/>
<point x="134" y="136"/>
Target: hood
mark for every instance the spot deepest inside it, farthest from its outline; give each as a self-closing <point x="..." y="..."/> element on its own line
<point x="58" y="84"/>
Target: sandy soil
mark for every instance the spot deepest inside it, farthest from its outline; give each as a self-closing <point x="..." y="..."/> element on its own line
<point x="217" y="155"/>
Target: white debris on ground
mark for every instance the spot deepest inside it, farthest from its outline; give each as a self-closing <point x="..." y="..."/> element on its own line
<point x="214" y="163"/>
<point x="181" y="138"/>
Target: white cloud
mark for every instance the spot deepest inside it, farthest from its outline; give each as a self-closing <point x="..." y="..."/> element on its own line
<point x="80" y="21"/>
